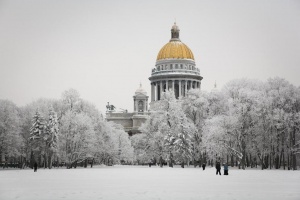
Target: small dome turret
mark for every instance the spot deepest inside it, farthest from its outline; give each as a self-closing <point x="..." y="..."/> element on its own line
<point x="140" y="90"/>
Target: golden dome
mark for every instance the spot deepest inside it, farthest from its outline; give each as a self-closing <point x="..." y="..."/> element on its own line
<point x="175" y="50"/>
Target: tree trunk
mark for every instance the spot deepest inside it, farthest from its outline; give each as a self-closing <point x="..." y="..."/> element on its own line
<point x="288" y="161"/>
<point x="283" y="160"/>
<point x="293" y="145"/>
<point x="270" y="161"/>
<point x="171" y="160"/>
<point x="50" y="160"/>
<point x="92" y="162"/>
<point x="85" y="163"/>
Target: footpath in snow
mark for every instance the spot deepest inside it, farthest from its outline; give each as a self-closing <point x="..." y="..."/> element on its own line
<point x="137" y="182"/>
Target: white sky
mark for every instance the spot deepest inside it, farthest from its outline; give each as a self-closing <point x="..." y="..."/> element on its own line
<point x="104" y="49"/>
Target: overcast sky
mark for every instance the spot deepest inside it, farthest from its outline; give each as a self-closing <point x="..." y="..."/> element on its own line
<point x="104" y="49"/>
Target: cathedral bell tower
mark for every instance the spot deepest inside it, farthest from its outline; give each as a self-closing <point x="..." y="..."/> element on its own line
<point x="140" y="100"/>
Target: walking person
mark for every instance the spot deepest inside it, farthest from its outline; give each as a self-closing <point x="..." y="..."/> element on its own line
<point x="218" y="167"/>
<point x="35" y="167"/>
<point x="225" y="169"/>
<point x="203" y="166"/>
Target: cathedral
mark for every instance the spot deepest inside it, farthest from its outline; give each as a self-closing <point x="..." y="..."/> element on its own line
<point x="175" y="69"/>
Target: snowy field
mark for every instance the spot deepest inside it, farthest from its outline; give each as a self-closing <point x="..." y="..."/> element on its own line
<point x="125" y="182"/>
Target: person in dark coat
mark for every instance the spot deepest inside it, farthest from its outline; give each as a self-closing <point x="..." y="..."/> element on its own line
<point x="218" y="167"/>
<point x="225" y="169"/>
<point x="35" y="167"/>
<point x="182" y="164"/>
<point x="203" y="166"/>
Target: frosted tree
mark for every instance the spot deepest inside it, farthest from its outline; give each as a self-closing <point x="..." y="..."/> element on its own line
<point x="168" y="131"/>
<point x="196" y="108"/>
<point x="37" y="128"/>
<point x="284" y="129"/>
<point x="122" y="144"/>
<point x="154" y="138"/>
<point x="36" y="137"/>
<point x="11" y="142"/>
<point x="51" y="138"/>
<point x="139" y="143"/>
<point x="71" y="99"/>
<point x="77" y="138"/>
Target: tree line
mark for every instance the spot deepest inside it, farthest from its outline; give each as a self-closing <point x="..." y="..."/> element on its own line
<point x="69" y="132"/>
<point x="248" y="123"/>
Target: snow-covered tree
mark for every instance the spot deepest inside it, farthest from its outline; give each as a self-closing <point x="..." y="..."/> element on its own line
<point x="139" y="143"/>
<point x="11" y="142"/>
<point x="37" y="128"/>
<point x="71" y="99"/>
<point x="51" y="137"/>
<point x="36" y="139"/>
<point x="77" y="137"/>
<point x="168" y="130"/>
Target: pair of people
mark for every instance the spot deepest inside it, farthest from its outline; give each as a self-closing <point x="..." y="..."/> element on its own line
<point x="218" y="167"/>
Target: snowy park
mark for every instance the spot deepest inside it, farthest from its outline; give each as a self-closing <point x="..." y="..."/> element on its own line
<point x="142" y="182"/>
<point x="92" y="93"/>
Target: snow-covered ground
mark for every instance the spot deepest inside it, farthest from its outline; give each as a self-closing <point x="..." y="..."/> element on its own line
<point x="130" y="182"/>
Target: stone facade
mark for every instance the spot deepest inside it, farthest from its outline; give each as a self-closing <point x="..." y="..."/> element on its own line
<point x="132" y="121"/>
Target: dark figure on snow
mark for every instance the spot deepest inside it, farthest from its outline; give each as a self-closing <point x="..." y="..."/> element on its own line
<point x="150" y="163"/>
<point x="225" y="169"/>
<point x="182" y="164"/>
<point x="35" y="167"/>
<point x="203" y="166"/>
<point x="160" y="161"/>
<point x="218" y="167"/>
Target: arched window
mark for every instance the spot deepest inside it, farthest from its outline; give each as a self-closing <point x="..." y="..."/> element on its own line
<point x="141" y="106"/>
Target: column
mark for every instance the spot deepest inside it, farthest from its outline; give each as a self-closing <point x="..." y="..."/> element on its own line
<point x="136" y="105"/>
<point x="161" y="88"/>
<point x="156" y="91"/>
<point x="134" y="108"/>
<point x="144" y="106"/>
<point x="179" y="88"/>
<point x="152" y="92"/>
<point x="173" y="86"/>
<point x="167" y="85"/>
<point x="185" y="89"/>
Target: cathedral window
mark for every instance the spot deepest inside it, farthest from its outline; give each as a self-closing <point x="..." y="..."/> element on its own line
<point x="141" y="106"/>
